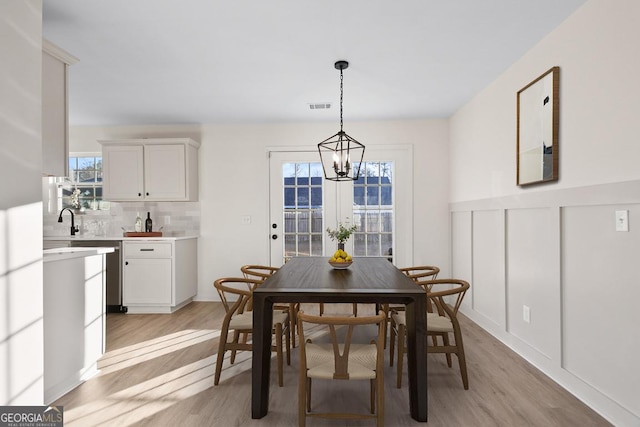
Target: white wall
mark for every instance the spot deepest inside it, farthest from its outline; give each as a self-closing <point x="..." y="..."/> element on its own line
<point x="554" y="247"/>
<point x="234" y="172"/>
<point x="21" y="327"/>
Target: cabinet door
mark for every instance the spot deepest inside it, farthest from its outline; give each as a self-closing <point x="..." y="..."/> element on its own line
<point x="147" y="281"/>
<point x="55" y="148"/>
<point x="165" y="172"/>
<point x="122" y="167"/>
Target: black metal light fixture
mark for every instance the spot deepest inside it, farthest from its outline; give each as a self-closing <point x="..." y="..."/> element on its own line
<point x="338" y="152"/>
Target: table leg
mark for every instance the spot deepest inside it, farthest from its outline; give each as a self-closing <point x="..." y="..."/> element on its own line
<point x="416" y="313"/>
<point x="261" y="361"/>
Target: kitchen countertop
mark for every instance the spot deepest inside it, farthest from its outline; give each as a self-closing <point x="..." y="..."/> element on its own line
<point x="59" y="254"/>
<point x="116" y="238"/>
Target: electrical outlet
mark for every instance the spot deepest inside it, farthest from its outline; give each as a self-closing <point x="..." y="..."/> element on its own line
<point x="622" y="220"/>
<point x="526" y="313"/>
<point x="167" y="220"/>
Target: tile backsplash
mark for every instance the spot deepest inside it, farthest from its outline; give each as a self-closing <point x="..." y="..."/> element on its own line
<point x="172" y="218"/>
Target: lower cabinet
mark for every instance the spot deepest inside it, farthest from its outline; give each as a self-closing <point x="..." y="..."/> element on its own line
<point x="158" y="276"/>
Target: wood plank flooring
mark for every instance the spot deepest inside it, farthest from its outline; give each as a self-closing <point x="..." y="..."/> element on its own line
<point x="158" y="371"/>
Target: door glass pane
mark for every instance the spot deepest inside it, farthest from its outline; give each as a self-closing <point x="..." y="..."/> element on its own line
<point x="373" y="210"/>
<point x="303" y="209"/>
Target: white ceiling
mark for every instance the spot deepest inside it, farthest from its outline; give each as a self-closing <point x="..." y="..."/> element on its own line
<point x="243" y="61"/>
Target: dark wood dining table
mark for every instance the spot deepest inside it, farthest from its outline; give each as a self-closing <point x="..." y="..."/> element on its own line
<point x="313" y="280"/>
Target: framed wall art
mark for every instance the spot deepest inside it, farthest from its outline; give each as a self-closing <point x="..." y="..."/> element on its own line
<point x="537" y="129"/>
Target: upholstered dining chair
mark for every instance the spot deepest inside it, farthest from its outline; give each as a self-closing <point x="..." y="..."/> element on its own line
<point x="442" y="322"/>
<point x="236" y="294"/>
<point x="340" y="359"/>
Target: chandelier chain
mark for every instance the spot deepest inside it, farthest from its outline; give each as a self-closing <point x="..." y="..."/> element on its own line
<point x="341" y="78"/>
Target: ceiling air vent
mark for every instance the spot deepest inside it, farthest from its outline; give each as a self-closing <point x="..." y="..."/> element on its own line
<point x="320" y="106"/>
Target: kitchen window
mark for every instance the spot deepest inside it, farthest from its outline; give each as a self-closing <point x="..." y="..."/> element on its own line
<point x="83" y="189"/>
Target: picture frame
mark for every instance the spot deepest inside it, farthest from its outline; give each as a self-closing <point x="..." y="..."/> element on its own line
<point x="538" y="115"/>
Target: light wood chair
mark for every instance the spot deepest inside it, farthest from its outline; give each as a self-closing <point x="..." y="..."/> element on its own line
<point x="442" y="321"/>
<point x="236" y="294"/>
<point x="417" y="274"/>
<point x="340" y="359"/>
<point x="262" y="273"/>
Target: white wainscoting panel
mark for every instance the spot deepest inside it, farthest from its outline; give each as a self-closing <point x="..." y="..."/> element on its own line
<point x="559" y="253"/>
<point x="462" y="267"/>
<point x="601" y="276"/>
<point x="533" y="278"/>
<point x="488" y="265"/>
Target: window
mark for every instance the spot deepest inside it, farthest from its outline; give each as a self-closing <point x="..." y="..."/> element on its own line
<point x="303" y="209"/>
<point x="84" y="188"/>
<point x="373" y="210"/>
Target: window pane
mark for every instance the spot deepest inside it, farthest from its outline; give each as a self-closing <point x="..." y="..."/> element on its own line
<point x="86" y="176"/>
<point x="303" y="222"/>
<point x="316" y="197"/>
<point x="289" y="198"/>
<point x="304" y="245"/>
<point x="316" y="244"/>
<point x="289" y="245"/>
<point x="373" y="222"/>
<point x="288" y="171"/>
<point x="303" y="198"/>
<point x="387" y="221"/>
<point x="373" y="245"/>
<point x="86" y="163"/>
<point x="358" y="195"/>
<point x="386" y="241"/>
<point x="316" y="221"/>
<point x="359" y="248"/>
<point x="289" y="222"/>
<point x="372" y="196"/>
<point x="386" y="196"/>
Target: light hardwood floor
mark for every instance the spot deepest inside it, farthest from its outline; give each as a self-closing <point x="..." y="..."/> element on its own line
<point x="158" y="371"/>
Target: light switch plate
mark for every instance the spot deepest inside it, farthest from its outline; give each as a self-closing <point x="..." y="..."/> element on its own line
<point x="526" y="314"/>
<point x="622" y="220"/>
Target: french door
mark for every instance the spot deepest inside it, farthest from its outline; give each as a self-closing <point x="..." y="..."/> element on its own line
<point x="303" y="204"/>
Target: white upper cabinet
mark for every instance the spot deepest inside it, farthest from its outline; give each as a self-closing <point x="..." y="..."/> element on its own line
<point x="164" y="169"/>
<point x="55" y="107"/>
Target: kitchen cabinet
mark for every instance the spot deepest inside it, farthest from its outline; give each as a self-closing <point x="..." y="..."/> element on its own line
<point x="159" y="276"/>
<point x="55" y="107"/>
<point x="161" y="169"/>
<point x="74" y="317"/>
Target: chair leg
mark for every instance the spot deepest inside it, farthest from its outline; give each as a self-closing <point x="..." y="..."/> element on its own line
<point x="236" y="337"/>
<point x="288" y="343"/>
<point x="279" y="353"/>
<point x="392" y="341"/>
<point x="302" y="399"/>
<point x="292" y="324"/>
<point x="380" y="397"/>
<point x="445" y="340"/>
<point x="401" y="344"/>
<point x="221" y="350"/>
<point x="462" y="361"/>
<point x="372" y="394"/>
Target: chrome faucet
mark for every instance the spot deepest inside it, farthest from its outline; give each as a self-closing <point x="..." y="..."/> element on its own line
<point x="74" y="228"/>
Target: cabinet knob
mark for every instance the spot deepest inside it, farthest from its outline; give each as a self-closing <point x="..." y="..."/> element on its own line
<point x="126" y="263"/>
<point x="139" y="194"/>
<point x="147" y="194"/>
<point x="274" y="236"/>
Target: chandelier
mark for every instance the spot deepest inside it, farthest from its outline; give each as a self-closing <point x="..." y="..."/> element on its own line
<point x="339" y="151"/>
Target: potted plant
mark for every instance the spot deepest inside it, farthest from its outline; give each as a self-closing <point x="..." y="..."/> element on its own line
<point x="341" y="234"/>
